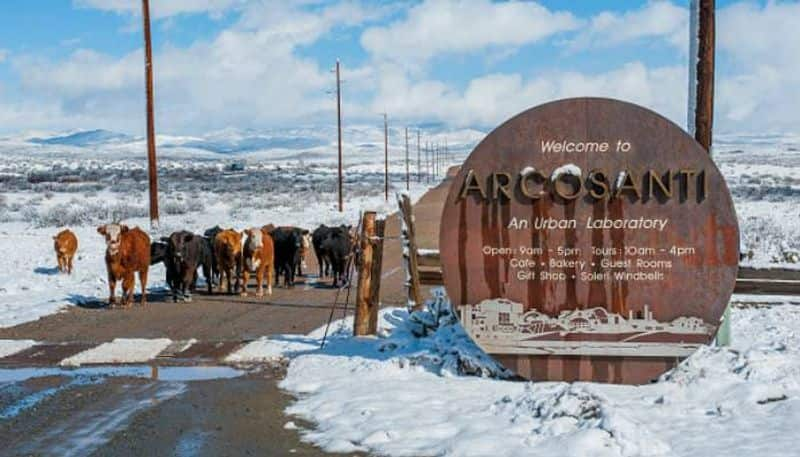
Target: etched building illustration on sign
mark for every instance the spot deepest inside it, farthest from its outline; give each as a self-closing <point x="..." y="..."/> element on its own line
<point x="503" y="327"/>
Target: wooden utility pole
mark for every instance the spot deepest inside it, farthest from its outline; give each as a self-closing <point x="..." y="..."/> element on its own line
<point x="701" y="98"/>
<point x="386" y="157"/>
<point x="152" y="169"/>
<point x="427" y="162"/>
<point x="368" y="293"/>
<point x="408" y="177"/>
<point x="419" y="164"/>
<point x="447" y="158"/>
<point x="339" y="132"/>
<point x="704" y="108"/>
<point x="436" y="160"/>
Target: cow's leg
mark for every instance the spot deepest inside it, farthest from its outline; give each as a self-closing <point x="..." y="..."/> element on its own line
<point x="189" y="282"/>
<point x="128" y="282"/>
<point x="209" y="277"/>
<point x="112" y="289"/>
<point x="259" y="281"/>
<point x="245" y="279"/>
<point x="143" y="282"/>
<point x="69" y="264"/>
<point x="270" y="274"/>
<point x="239" y="270"/>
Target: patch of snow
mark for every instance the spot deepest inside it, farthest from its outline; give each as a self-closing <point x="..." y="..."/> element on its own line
<point x="621" y="177"/>
<point x="271" y="348"/>
<point x="396" y="395"/>
<point x="121" y="350"/>
<point x="569" y="169"/>
<point x="11" y="347"/>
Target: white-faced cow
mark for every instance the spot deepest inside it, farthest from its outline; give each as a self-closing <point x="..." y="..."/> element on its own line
<point x="127" y="252"/>
<point x="259" y="257"/>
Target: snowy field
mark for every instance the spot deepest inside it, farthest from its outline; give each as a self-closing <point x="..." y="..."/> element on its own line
<point x="86" y="179"/>
<point x="737" y="401"/>
<point x="447" y="397"/>
<point x="241" y="178"/>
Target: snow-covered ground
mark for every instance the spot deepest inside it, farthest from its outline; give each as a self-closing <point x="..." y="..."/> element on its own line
<point x="243" y="178"/>
<point x="400" y="395"/>
<point x="85" y="179"/>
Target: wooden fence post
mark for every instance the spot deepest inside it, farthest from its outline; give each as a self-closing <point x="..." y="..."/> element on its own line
<point x="410" y="260"/>
<point x="369" y="275"/>
<point x="375" y="283"/>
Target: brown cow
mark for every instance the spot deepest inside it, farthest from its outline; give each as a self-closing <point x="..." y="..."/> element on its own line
<point x="259" y="256"/>
<point x="228" y="255"/>
<point x="127" y="252"/>
<point x="65" y="243"/>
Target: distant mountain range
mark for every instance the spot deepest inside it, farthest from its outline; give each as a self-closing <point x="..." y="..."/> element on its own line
<point x="236" y="141"/>
<point x="86" y="138"/>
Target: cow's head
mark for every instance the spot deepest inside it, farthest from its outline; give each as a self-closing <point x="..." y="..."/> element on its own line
<point x="297" y="238"/>
<point x="306" y="242"/>
<point x="177" y="245"/>
<point x="113" y="234"/>
<point x="255" y="239"/>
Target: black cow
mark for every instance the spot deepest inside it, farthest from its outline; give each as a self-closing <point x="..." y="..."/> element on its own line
<point x="209" y="236"/>
<point x="159" y="252"/>
<point x="337" y="247"/>
<point x="317" y="237"/>
<point x="288" y="242"/>
<point x="185" y="253"/>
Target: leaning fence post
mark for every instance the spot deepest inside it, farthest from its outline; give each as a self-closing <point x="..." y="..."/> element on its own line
<point x="375" y="283"/>
<point x="408" y="234"/>
<point x="364" y="293"/>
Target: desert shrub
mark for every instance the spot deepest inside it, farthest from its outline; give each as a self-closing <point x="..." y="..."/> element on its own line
<point x="179" y="207"/>
<point x="76" y="213"/>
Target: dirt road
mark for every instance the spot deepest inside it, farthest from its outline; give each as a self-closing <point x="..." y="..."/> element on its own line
<point x="113" y="412"/>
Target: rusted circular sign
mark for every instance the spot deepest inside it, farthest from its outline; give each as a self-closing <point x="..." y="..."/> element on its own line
<point x="589" y="239"/>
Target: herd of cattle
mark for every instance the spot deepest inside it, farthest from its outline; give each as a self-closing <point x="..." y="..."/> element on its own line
<point x="226" y="257"/>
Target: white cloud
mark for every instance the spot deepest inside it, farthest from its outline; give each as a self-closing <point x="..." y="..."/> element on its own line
<point x="760" y="44"/>
<point x="3" y="55"/>
<point x="655" y="19"/>
<point x="248" y="75"/>
<point x="252" y="74"/>
<point x="491" y="99"/>
<point x="460" y="26"/>
<point x="160" y="9"/>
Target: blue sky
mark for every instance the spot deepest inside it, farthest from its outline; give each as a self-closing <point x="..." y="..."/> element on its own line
<point x="262" y="64"/>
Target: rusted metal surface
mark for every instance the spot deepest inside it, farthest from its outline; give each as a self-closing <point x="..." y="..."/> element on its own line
<point x="698" y="284"/>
